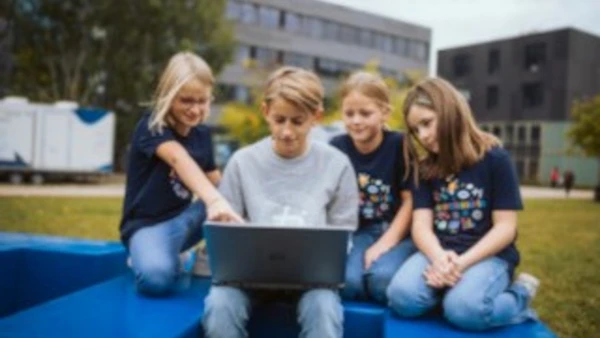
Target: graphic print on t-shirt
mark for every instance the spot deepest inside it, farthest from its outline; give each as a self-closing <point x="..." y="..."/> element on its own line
<point x="375" y="196"/>
<point x="179" y="189"/>
<point x="458" y="206"/>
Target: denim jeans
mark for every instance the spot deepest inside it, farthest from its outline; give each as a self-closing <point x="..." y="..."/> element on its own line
<point x="482" y="299"/>
<point x="155" y="249"/>
<point x="371" y="284"/>
<point x="227" y="310"/>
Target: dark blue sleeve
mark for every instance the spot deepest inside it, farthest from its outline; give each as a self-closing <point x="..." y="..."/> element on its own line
<point x="210" y="163"/>
<point x="422" y="195"/>
<point x="147" y="140"/>
<point x="408" y="183"/>
<point x="505" y="191"/>
<point x="337" y="142"/>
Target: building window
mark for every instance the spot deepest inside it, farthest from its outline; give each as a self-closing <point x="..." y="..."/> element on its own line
<point x="234" y="10"/>
<point x="298" y="60"/>
<point x="266" y="57"/>
<point x="492" y="97"/>
<point x="331" y="30"/>
<point x="249" y="13"/>
<point x="494" y="61"/>
<point x="533" y="95"/>
<point x="243" y="54"/>
<point x="401" y="46"/>
<point x="242" y="94"/>
<point x="461" y="65"/>
<point x="521" y="135"/>
<point x="349" y="35"/>
<point x="313" y="27"/>
<point x="292" y="22"/>
<point x="533" y="170"/>
<point x="509" y="134"/>
<point x="497" y="131"/>
<point x="366" y="38"/>
<point x="268" y="17"/>
<point x="535" y="56"/>
<point x="417" y="50"/>
<point x="387" y="43"/>
<point x="535" y="134"/>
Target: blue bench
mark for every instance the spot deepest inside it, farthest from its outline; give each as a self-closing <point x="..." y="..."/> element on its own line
<point x="102" y="301"/>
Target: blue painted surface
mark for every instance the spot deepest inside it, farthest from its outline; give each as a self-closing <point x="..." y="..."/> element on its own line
<point x="18" y="162"/>
<point x="81" y="289"/>
<point x="90" y="115"/>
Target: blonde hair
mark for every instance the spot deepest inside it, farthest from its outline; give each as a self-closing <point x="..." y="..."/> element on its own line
<point x="298" y="86"/>
<point x="370" y="85"/>
<point x="182" y="68"/>
<point x="461" y="142"/>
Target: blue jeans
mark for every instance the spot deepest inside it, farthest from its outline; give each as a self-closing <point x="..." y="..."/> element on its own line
<point x="371" y="284"/>
<point x="155" y="249"/>
<point x="227" y="310"/>
<point x="483" y="298"/>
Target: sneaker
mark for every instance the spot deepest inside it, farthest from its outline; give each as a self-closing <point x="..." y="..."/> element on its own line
<point x="529" y="282"/>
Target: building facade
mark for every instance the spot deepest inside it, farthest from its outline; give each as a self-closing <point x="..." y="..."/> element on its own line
<point x="329" y="39"/>
<point x="522" y="90"/>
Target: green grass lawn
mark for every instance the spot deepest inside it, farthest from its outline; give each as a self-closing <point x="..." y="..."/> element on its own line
<point x="559" y="241"/>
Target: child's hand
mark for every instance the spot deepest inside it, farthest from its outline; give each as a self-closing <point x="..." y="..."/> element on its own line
<point x="374" y="252"/>
<point x="445" y="271"/>
<point x="221" y="211"/>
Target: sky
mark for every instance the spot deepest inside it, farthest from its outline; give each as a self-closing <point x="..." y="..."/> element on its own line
<point x="462" y="22"/>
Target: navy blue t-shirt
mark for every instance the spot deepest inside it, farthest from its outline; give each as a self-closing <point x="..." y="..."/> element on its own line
<point x="462" y="204"/>
<point x="380" y="176"/>
<point x="154" y="192"/>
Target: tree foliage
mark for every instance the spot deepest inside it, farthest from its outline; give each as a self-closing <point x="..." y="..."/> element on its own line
<point x="585" y="132"/>
<point x="109" y="53"/>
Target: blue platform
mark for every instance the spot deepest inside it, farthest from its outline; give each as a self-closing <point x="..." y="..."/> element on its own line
<point x="55" y="287"/>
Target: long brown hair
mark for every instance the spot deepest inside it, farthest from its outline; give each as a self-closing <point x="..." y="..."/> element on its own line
<point x="461" y="142"/>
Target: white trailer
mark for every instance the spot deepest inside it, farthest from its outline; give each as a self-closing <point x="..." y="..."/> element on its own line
<point x="39" y="140"/>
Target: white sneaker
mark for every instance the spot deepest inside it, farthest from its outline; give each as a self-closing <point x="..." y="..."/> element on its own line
<point x="529" y="282"/>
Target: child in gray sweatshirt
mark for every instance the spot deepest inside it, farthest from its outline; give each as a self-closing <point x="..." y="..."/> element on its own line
<point x="286" y="179"/>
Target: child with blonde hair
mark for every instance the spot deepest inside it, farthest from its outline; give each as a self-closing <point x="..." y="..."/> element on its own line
<point x="464" y="219"/>
<point x="286" y="178"/>
<point x="382" y="242"/>
<point x="170" y="161"/>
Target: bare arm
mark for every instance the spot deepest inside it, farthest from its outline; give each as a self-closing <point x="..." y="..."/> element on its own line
<point x="214" y="177"/>
<point x="395" y="233"/>
<point x="501" y="234"/>
<point x="423" y="235"/>
<point x="196" y="180"/>
<point x="401" y="222"/>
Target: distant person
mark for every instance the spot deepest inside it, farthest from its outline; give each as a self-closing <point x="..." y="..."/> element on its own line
<point x="568" y="181"/>
<point x="554" y="177"/>
<point x="170" y="161"/>
<point x="287" y="178"/>
<point x="382" y="242"/>
<point x="464" y="219"/>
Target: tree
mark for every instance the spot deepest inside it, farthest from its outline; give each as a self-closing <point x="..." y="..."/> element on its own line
<point x="585" y="132"/>
<point x="110" y="53"/>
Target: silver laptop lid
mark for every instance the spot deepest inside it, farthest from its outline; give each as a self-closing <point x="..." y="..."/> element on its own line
<point x="272" y="256"/>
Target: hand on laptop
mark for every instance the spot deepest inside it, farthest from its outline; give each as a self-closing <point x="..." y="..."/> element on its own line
<point x="221" y="211"/>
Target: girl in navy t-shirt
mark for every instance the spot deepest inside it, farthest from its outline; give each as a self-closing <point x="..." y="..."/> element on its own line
<point x="464" y="219"/>
<point x="170" y="161"/>
<point x="382" y="242"/>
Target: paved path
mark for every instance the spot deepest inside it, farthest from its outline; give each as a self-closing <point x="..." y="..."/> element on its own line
<point x="118" y="190"/>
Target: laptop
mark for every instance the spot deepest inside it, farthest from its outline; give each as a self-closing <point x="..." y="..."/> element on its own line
<point x="262" y="256"/>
